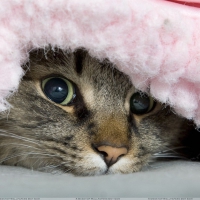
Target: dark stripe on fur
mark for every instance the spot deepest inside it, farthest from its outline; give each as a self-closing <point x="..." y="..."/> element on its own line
<point x="80" y="55"/>
<point x="133" y="125"/>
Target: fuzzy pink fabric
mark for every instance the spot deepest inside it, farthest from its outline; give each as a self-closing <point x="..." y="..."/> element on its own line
<point x="155" y="42"/>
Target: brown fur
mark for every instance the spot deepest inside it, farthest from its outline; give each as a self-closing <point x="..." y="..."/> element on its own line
<point x="40" y="134"/>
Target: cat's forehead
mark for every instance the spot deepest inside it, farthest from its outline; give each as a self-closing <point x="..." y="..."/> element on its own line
<point x="97" y="84"/>
<point x="80" y="68"/>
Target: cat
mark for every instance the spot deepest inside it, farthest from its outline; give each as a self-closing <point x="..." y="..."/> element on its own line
<point x="76" y="114"/>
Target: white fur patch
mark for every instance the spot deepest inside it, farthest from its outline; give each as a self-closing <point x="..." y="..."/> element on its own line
<point x="93" y="160"/>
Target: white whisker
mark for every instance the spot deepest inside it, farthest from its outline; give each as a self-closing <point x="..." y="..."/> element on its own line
<point x="173" y="149"/>
<point x="52" y="168"/>
<point x="170" y="153"/>
<point x="12" y="135"/>
<point x="26" y="154"/>
<point x="17" y="144"/>
<point x="168" y="156"/>
<point x="70" y="169"/>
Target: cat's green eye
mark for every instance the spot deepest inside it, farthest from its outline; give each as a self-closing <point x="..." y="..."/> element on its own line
<point x="141" y="103"/>
<point x="59" y="90"/>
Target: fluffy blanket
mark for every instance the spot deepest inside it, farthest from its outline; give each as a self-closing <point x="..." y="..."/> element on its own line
<point x="155" y="42"/>
<point x="174" y="179"/>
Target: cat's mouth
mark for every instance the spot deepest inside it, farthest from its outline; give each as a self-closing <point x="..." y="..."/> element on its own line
<point x="94" y="165"/>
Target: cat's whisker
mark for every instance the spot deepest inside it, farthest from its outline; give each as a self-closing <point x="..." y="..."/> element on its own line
<point x="23" y="145"/>
<point x="173" y="149"/>
<point x="150" y="165"/>
<point x="38" y="160"/>
<point x="60" y="165"/>
<point x="33" y="157"/>
<point x="55" y="169"/>
<point x="170" y="153"/>
<point x="27" y="156"/>
<point x="12" y="135"/>
<point x="70" y="169"/>
<point x="17" y="144"/>
<point x="50" y="166"/>
<point x="155" y="165"/>
<point x="168" y="156"/>
<point x="167" y="153"/>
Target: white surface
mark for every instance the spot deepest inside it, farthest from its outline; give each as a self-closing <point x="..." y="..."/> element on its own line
<point x="171" y="179"/>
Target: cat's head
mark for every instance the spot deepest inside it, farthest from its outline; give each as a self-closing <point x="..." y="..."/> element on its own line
<point x="77" y="114"/>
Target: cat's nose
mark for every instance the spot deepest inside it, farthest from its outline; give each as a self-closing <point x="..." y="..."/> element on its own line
<point x="111" y="154"/>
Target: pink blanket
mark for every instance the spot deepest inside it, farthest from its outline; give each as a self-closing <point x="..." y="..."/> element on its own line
<point x="155" y="42"/>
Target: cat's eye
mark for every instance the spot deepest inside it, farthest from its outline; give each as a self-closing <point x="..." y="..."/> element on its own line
<point x="59" y="90"/>
<point x="141" y="103"/>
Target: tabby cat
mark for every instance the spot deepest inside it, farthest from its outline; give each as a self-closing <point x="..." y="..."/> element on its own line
<point x="76" y="114"/>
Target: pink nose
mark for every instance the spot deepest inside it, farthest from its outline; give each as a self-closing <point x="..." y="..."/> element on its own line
<point x="112" y="154"/>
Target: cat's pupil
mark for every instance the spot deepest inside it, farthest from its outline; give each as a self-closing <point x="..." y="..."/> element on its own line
<point x="139" y="103"/>
<point x="56" y="89"/>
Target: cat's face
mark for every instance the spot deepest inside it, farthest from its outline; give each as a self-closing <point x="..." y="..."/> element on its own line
<point x="76" y="114"/>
